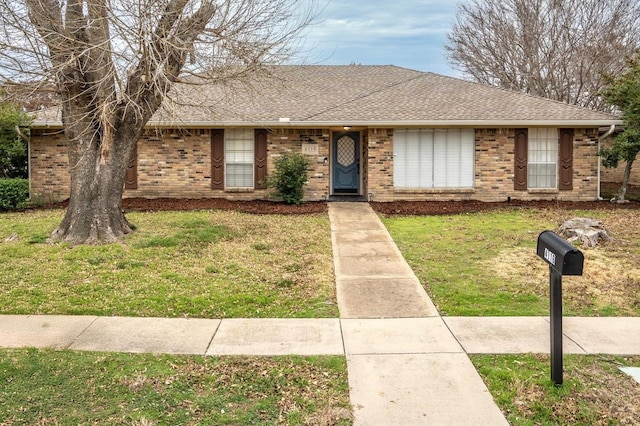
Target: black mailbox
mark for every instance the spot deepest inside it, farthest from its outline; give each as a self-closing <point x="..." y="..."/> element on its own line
<point x="563" y="259"/>
<point x="559" y="254"/>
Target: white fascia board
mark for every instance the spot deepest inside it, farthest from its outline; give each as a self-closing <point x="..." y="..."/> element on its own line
<point x="463" y="123"/>
<point x="379" y="124"/>
<point x="371" y="124"/>
<point x="46" y="124"/>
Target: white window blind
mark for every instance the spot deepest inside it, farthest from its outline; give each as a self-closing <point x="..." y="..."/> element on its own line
<point x="238" y="154"/>
<point x="542" y="167"/>
<point x="433" y="158"/>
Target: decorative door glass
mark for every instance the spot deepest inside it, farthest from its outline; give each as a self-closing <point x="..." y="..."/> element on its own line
<point x="346" y="151"/>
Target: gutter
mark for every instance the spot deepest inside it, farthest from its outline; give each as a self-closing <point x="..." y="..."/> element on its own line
<point x="305" y="124"/>
<point x="600" y="139"/>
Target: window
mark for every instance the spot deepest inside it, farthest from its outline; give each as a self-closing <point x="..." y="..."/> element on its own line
<point x="238" y="158"/>
<point x="433" y="158"/>
<point x="542" y="164"/>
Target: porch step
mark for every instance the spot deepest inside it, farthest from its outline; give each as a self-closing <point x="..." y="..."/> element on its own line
<point x="347" y="199"/>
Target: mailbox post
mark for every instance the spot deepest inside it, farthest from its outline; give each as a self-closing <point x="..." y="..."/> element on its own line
<point x="563" y="259"/>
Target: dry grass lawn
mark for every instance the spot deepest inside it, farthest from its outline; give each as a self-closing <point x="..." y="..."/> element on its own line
<point x="611" y="275"/>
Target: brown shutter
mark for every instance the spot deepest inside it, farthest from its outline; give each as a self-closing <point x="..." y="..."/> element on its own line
<point x="520" y="154"/>
<point x="131" y="177"/>
<point x="566" y="160"/>
<point x="217" y="159"/>
<point x="260" y="153"/>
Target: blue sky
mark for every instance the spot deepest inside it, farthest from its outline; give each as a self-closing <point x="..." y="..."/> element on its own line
<point x="407" y="33"/>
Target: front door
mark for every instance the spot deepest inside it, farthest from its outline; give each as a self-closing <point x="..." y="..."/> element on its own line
<point x="346" y="163"/>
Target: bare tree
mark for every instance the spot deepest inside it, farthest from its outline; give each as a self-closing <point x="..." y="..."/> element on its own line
<point x="113" y="63"/>
<point x="559" y="49"/>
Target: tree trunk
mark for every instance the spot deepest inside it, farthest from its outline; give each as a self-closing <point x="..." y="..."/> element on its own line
<point x="625" y="181"/>
<point x="98" y="172"/>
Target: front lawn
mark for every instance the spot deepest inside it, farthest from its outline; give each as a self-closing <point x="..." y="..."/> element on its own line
<point x="486" y="264"/>
<point x="594" y="392"/>
<point x="207" y="264"/>
<point x="42" y="387"/>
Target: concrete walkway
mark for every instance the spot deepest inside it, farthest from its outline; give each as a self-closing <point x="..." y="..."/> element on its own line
<point x="406" y="364"/>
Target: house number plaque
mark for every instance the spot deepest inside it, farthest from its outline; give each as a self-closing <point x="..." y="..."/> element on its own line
<point x="310" y="148"/>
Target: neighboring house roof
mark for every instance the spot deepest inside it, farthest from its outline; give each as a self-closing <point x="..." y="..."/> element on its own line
<point x="356" y="95"/>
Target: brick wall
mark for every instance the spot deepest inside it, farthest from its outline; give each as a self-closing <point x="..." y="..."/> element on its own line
<point x="494" y="162"/>
<point x="585" y="166"/>
<point x="49" y="166"/>
<point x="380" y="164"/>
<point x="615" y="175"/>
<point x="280" y="141"/>
<point x="175" y="163"/>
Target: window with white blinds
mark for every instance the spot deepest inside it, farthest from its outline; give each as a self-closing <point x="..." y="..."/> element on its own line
<point x="542" y="167"/>
<point x="238" y="155"/>
<point x="433" y="158"/>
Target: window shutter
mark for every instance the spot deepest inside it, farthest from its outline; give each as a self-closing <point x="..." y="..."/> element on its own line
<point x="217" y="159"/>
<point x="131" y="177"/>
<point x="260" y="160"/>
<point x="520" y="154"/>
<point x="566" y="160"/>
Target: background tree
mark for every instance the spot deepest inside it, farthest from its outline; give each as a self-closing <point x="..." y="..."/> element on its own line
<point x="113" y="63"/>
<point x="14" y="125"/>
<point x="558" y="49"/>
<point x="624" y="93"/>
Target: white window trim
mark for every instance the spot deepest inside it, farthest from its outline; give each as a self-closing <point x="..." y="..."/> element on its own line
<point x="551" y="139"/>
<point x="239" y="135"/>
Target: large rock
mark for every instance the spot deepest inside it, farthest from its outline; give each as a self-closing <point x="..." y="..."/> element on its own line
<point x="587" y="230"/>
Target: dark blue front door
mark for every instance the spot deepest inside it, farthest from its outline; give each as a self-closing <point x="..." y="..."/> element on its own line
<point x="346" y="163"/>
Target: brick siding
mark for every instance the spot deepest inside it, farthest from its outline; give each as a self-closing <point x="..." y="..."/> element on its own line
<point x="494" y="162"/>
<point x="48" y="166"/>
<point x="176" y="163"/>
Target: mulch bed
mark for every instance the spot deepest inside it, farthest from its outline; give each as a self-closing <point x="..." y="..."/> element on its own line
<point x="182" y="204"/>
<point x="432" y="208"/>
<point x="404" y="208"/>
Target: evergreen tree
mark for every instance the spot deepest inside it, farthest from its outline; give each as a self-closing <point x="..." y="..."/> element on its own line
<point x="624" y="93"/>
<point x="14" y="125"/>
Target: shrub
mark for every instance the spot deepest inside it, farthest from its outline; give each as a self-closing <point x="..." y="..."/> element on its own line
<point x="14" y="193"/>
<point x="289" y="177"/>
<point x="14" y="127"/>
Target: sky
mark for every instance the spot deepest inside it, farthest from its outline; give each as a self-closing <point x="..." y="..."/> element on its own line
<point x="406" y="33"/>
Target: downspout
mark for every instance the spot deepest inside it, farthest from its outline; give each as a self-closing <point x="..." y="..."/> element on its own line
<point x="600" y="139"/>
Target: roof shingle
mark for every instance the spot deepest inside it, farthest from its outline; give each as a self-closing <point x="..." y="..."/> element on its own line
<point x="363" y="95"/>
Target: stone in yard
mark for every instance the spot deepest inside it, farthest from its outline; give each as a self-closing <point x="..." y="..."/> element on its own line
<point x="587" y="230"/>
<point x="11" y="238"/>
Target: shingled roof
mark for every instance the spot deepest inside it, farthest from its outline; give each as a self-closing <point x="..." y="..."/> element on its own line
<point x="356" y="95"/>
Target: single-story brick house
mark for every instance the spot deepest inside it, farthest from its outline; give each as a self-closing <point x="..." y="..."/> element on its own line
<point x="380" y="132"/>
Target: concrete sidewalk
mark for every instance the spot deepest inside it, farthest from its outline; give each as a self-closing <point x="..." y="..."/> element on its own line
<point x="406" y="364"/>
<point x="472" y="335"/>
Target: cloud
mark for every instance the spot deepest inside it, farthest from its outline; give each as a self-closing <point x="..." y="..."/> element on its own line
<point x="410" y="33"/>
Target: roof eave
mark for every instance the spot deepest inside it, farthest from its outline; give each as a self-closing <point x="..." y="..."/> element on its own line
<point x="365" y="123"/>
